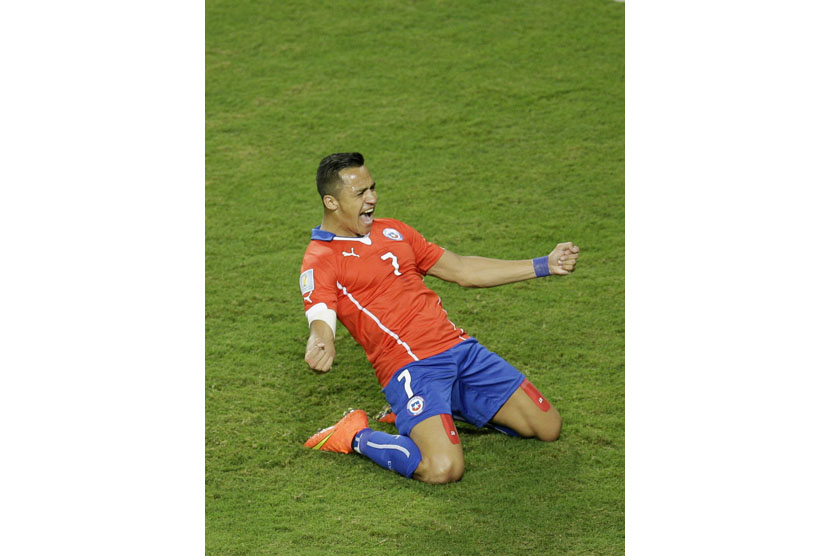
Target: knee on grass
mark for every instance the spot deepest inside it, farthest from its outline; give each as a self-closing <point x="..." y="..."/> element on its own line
<point x="549" y="430"/>
<point x="440" y="469"/>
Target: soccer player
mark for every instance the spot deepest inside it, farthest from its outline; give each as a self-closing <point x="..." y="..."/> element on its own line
<point x="369" y="273"/>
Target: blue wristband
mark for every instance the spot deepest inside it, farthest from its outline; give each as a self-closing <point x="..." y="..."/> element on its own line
<point x="540" y="265"/>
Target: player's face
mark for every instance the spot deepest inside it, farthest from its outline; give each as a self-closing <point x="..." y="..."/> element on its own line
<point x="356" y="200"/>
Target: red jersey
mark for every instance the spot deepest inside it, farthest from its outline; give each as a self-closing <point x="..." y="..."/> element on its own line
<point x="375" y="284"/>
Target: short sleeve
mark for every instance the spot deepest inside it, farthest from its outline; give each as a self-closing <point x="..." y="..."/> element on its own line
<point x="426" y="252"/>
<point x="318" y="281"/>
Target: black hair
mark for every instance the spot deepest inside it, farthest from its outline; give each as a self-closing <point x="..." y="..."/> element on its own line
<point x="328" y="172"/>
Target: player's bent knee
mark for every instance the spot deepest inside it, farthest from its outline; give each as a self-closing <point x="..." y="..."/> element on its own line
<point x="551" y="429"/>
<point x="440" y="469"/>
<point x="446" y="473"/>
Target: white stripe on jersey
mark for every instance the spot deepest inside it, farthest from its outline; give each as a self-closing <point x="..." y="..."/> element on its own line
<point x="454" y="327"/>
<point x="377" y="321"/>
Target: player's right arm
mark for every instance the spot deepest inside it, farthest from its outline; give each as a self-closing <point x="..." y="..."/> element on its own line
<point x="319" y="351"/>
<point x="317" y="286"/>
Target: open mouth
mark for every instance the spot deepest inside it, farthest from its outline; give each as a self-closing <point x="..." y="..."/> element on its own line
<point x="366" y="218"/>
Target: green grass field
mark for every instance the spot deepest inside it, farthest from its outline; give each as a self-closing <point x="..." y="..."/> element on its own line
<point x="495" y="129"/>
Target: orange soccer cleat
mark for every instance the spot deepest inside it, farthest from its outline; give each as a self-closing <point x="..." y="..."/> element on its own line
<point x="338" y="438"/>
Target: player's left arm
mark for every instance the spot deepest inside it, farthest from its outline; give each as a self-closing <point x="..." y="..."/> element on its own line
<point x="482" y="272"/>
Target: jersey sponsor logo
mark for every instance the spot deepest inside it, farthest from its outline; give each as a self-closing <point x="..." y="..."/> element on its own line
<point x="393" y="234"/>
<point x="307" y="284"/>
<point x="415" y="406"/>
<point x="350" y="254"/>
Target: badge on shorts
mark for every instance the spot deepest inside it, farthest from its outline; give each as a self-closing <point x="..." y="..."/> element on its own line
<point x="393" y="234"/>
<point x="415" y="405"/>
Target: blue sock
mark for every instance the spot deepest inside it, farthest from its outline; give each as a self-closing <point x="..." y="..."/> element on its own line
<point x="392" y="451"/>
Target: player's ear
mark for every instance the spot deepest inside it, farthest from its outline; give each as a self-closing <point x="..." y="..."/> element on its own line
<point x="330" y="202"/>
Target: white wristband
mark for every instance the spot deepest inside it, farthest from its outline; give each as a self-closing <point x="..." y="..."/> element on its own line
<point x="323" y="313"/>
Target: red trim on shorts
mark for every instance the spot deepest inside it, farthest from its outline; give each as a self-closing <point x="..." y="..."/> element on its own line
<point x="535" y="395"/>
<point x="449" y="426"/>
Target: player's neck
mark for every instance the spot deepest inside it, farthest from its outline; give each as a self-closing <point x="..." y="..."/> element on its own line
<point x="332" y="225"/>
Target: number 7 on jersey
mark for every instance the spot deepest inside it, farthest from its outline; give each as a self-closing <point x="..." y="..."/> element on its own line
<point x="388" y="255"/>
<point x="407" y="381"/>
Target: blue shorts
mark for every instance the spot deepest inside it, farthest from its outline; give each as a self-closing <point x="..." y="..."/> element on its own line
<point x="467" y="381"/>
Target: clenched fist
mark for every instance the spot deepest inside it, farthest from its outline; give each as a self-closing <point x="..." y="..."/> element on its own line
<point x="562" y="259"/>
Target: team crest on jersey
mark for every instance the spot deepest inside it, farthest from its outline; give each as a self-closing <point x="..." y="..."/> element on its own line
<point x="307" y="281"/>
<point x="393" y="234"/>
<point x="415" y="405"/>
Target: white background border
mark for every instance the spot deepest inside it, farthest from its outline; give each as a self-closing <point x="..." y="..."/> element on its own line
<point x="102" y="227"/>
<point x="727" y="278"/>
